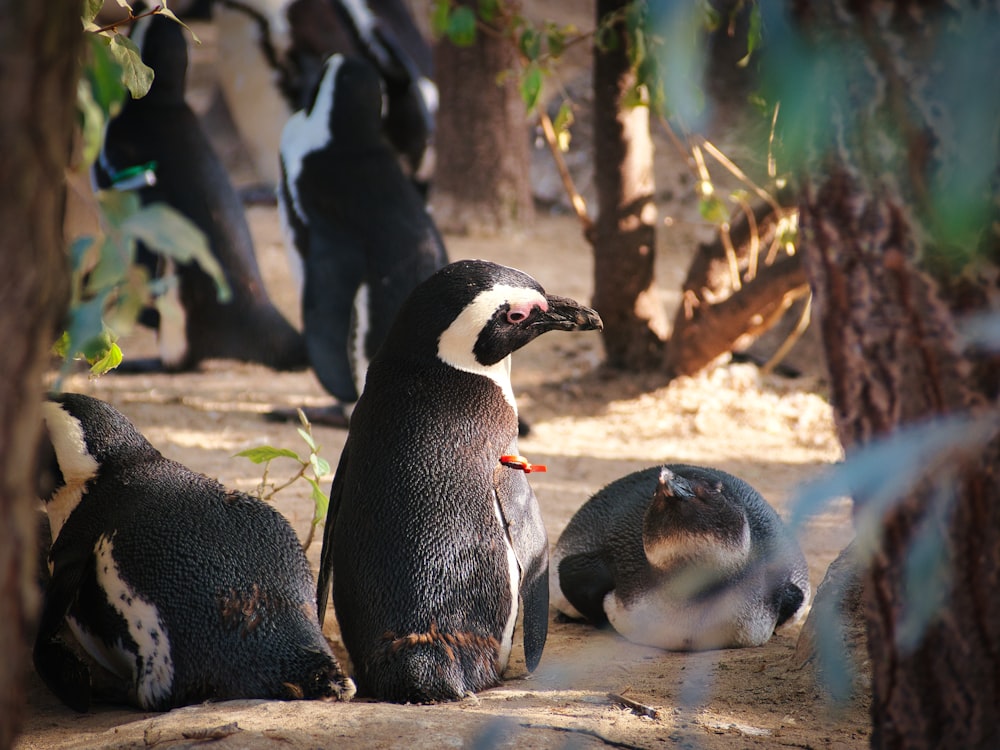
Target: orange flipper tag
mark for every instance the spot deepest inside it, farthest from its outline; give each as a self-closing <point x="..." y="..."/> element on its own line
<point x="521" y="463"/>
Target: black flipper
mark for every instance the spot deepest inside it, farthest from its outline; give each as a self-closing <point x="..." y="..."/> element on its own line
<point x="585" y="580"/>
<point x="334" y="271"/>
<point x="324" y="579"/>
<point x="57" y="664"/>
<point x="531" y="547"/>
<point x="787" y="599"/>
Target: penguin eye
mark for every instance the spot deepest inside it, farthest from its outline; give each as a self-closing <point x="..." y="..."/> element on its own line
<point x="518" y="314"/>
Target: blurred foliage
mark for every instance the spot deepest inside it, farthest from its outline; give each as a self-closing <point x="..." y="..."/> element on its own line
<point x="924" y="123"/>
<point x="319" y="466"/>
<point x="109" y="288"/>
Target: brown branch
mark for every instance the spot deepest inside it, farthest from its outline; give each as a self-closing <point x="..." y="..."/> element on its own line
<point x="640" y="708"/>
<point x="127" y="20"/>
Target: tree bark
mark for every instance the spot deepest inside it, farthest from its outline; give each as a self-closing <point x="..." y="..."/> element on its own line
<point x="481" y="180"/>
<point x="39" y="55"/>
<point x="729" y="294"/>
<point x="624" y="236"/>
<point x="889" y="295"/>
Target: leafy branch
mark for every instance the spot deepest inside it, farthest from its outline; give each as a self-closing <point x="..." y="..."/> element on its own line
<point x="320" y="467"/>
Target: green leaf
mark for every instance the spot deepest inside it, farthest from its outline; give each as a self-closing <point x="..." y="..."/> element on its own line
<point x="488" y="10"/>
<point x="606" y="38"/>
<point x="170" y="233"/>
<point x="555" y="39"/>
<point x="110" y="360"/>
<point x="320" y="466"/>
<point x="754" y="35"/>
<point x="117" y="206"/>
<point x="113" y="262"/>
<point x="78" y="251"/>
<point x="440" y="11"/>
<point x="90" y="10"/>
<point x="265" y="453"/>
<point x="92" y="121"/>
<point x="308" y="438"/>
<point x="320" y="500"/>
<point x="461" y="28"/>
<point x="165" y="11"/>
<point x="530" y="43"/>
<point x="61" y="347"/>
<point x="85" y="326"/>
<point x="713" y="209"/>
<point x="136" y="75"/>
<point x="105" y="76"/>
<point x="531" y="86"/>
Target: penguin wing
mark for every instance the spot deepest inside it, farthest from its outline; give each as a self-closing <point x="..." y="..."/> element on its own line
<point x="526" y="532"/>
<point x="324" y="580"/>
<point x="585" y="579"/>
<point x="334" y="271"/>
<point x="60" y="668"/>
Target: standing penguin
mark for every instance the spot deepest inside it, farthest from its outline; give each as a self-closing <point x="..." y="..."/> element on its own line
<point x="681" y="558"/>
<point x="431" y="539"/>
<point x="356" y="221"/>
<point x="166" y="588"/>
<point x="161" y="130"/>
<point x="271" y="55"/>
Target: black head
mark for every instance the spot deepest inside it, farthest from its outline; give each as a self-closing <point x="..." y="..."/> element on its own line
<point x="348" y="101"/>
<point x="472" y="314"/>
<point x="694" y="518"/>
<point x="164" y="48"/>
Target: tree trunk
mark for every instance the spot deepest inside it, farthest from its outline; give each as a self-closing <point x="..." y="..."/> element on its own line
<point x="733" y="292"/>
<point x="624" y="235"/>
<point x="890" y="290"/>
<point x="39" y="55"/>
<point x="481" y="180"/>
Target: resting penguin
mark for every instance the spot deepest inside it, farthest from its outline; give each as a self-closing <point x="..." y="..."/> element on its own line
<point x="161" y="128"/>
<point x="356" y="221"/>
<point x="167" y="588"/>
<point x="430" y="540"/>
<point x="682" y="558"/>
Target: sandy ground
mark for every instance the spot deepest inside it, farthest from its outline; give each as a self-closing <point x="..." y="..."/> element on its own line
<point x="589" y="426"/>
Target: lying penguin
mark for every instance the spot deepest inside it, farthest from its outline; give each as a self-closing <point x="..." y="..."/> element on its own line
<point x="166" y="588"/>
<point x="356" y="223"/>
<point x="433" y="533"/>
<point x="681" y="558"/>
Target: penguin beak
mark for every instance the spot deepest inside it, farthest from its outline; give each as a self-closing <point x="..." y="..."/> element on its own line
<point x="565" y="314"/>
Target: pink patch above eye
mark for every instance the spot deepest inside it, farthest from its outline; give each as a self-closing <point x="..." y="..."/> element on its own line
<point x="519" y="311"/>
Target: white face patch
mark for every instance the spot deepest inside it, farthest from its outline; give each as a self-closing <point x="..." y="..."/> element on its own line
<point x="455" y="347"/>
<point x="307" y="132"/>
<point x="75" y="462"/>
<point x="154" y="672"/>
<point x="699" y="550"/>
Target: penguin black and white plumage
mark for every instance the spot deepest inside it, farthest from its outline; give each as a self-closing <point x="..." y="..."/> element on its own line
<point x="681" y="558"/>
<point x="166" y="588"/>
<point x="271" y="56"/>
<point x="430" y="540"/>
<point x="161" y="127"/>
<point x="358" y="224"/>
